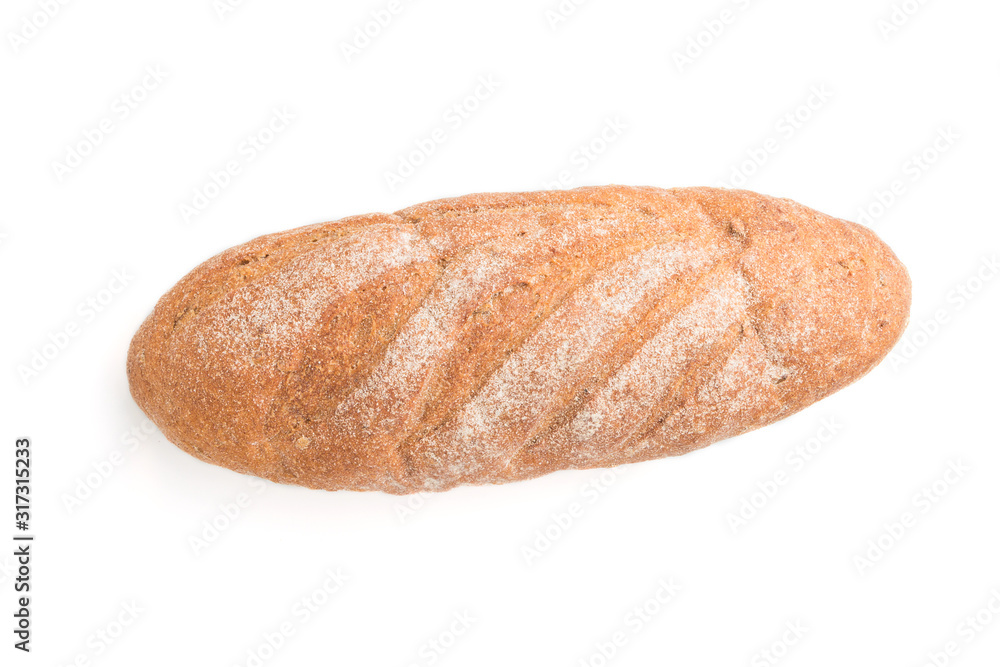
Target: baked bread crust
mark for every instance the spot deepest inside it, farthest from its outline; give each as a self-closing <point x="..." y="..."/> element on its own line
<point x="498" y="337"/>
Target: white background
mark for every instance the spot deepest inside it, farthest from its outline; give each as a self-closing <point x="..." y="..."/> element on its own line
<point x="125" y="538"/>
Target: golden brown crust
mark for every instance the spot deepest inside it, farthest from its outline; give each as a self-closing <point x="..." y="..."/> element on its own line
<point x="497" y="337"/>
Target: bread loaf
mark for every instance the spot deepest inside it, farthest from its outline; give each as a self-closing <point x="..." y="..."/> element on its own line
<point x="498" y="337"/>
